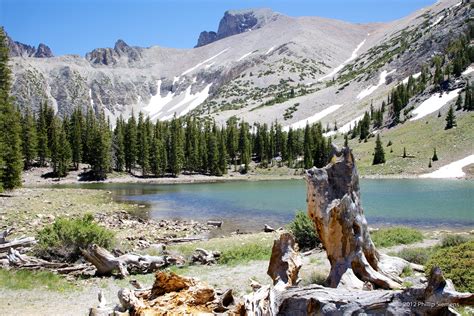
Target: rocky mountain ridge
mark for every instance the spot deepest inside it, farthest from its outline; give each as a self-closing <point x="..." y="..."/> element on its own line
<point x="18" y="49"/>
<point x="236" y="22"/>
<point x="288" y="69"/>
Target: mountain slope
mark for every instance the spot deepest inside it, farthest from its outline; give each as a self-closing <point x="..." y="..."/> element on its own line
<point x="278" y="68"/>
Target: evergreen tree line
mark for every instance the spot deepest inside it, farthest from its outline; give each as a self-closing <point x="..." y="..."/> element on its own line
<point x="165" y="148"/>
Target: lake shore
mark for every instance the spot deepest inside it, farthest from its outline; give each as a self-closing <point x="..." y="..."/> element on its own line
<point x="35" y="177"/>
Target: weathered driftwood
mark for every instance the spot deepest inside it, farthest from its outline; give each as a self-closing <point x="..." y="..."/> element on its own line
<point x="21" y="242"/>
<point x="205" y="257"/>
<point x="14" y="259"/>
<point x="334" y="206"/>
<point x="106" y="263"/>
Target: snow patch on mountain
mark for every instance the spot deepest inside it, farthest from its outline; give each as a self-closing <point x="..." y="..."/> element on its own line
<point x="199" y="98"/>
<point x="270" y="50"/>
<point x="314" y="118"/>
<point x="405" y="81"/>
<point x="346" y="127"/>
<point x="437" y="21"/>
<point x="157" y="102"/>
<point x="468" y="70"/>
<point x="433" y="104"/>
<point x="338" y="68"/>
<point x="204" y="62"/>
<point x="368" y="91"/>
<point x="452" y="170"/>
<point x="244" y="56"/>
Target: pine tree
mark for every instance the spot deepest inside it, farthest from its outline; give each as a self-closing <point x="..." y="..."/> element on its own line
<point x="429" y="164"/>
<point x="364" y="127"/>
<point x="42" y="136"/>
<point x="177" y="146"/>
<point x="346" y="140"/>
<point x="232" y="140"/>
<point x="244" y="146"/>
<point x="158" y="153"/>
<point x="118" y="144"/>
<point x="379" y="154"/>
<point x="404" y="152"/>
<point x="222" y="152"/>
<point x="29" y="138"/>
<point x="459" y="103"/>
<point x="60" y="149"/>
<point x="290" y="148"/>
<point x="308" y="150"/>
<point x="100" y="157"/>
<point x="10" y="130"/>
<point x="450" y="119"/>
<point x="143" y="146"/>
<point x="435" y="156"/>
<point x="213" y="158"/>
<point x="88" y="137"/>
<point x="75" y="136"/>
<point x="130" y="142"/>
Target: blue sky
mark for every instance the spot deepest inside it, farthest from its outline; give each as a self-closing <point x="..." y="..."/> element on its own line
<point x="78" y="26"/>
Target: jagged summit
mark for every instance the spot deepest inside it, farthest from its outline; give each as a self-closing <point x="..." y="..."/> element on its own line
<point x="238" y="21"/>
<point x="112" y="56"/>
<point x="18" y="49"/>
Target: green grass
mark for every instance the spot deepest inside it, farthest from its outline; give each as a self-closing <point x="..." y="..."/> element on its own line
<point x="26" y="280"/>
<point x="419" y="138"/>
<point x="387" y="237"/>
<point x="234" y="250"/>
<point x="245" y="253"/>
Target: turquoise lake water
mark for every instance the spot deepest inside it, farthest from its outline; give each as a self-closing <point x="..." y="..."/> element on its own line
<point x="424" y="203"/>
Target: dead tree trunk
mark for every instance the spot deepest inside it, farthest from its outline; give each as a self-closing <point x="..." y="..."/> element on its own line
<point x="284" y="298"/>
<point x="334" y="206"/>
<point x="106" y="262"/>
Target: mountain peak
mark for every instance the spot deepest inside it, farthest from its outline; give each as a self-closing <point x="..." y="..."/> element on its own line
<point x="18" y="49"/>
<point x="120" y="45"/>
<point x="238" y="21"/>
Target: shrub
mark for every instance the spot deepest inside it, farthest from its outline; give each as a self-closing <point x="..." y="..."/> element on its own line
<point x="415" y="255"/>
<point x="63" y="239"/>
<point x="453" y="240"/>
<point x="387" y="237"/>
<point x="456" y="263"/>
<point x="304" y="231"/>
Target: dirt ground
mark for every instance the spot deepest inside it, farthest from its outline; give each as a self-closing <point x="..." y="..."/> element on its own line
<point x="78" y="302"/>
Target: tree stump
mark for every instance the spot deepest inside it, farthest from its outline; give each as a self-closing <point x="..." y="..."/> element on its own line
<point x="334" y="206"/>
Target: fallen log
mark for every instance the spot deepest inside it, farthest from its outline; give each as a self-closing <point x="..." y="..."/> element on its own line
<point x="22" y="242"/>
<point x="214" y="223"/>
<point x="106" y="263"/>
<point x="205" y="257"/>
<point x="268" y="229"/>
